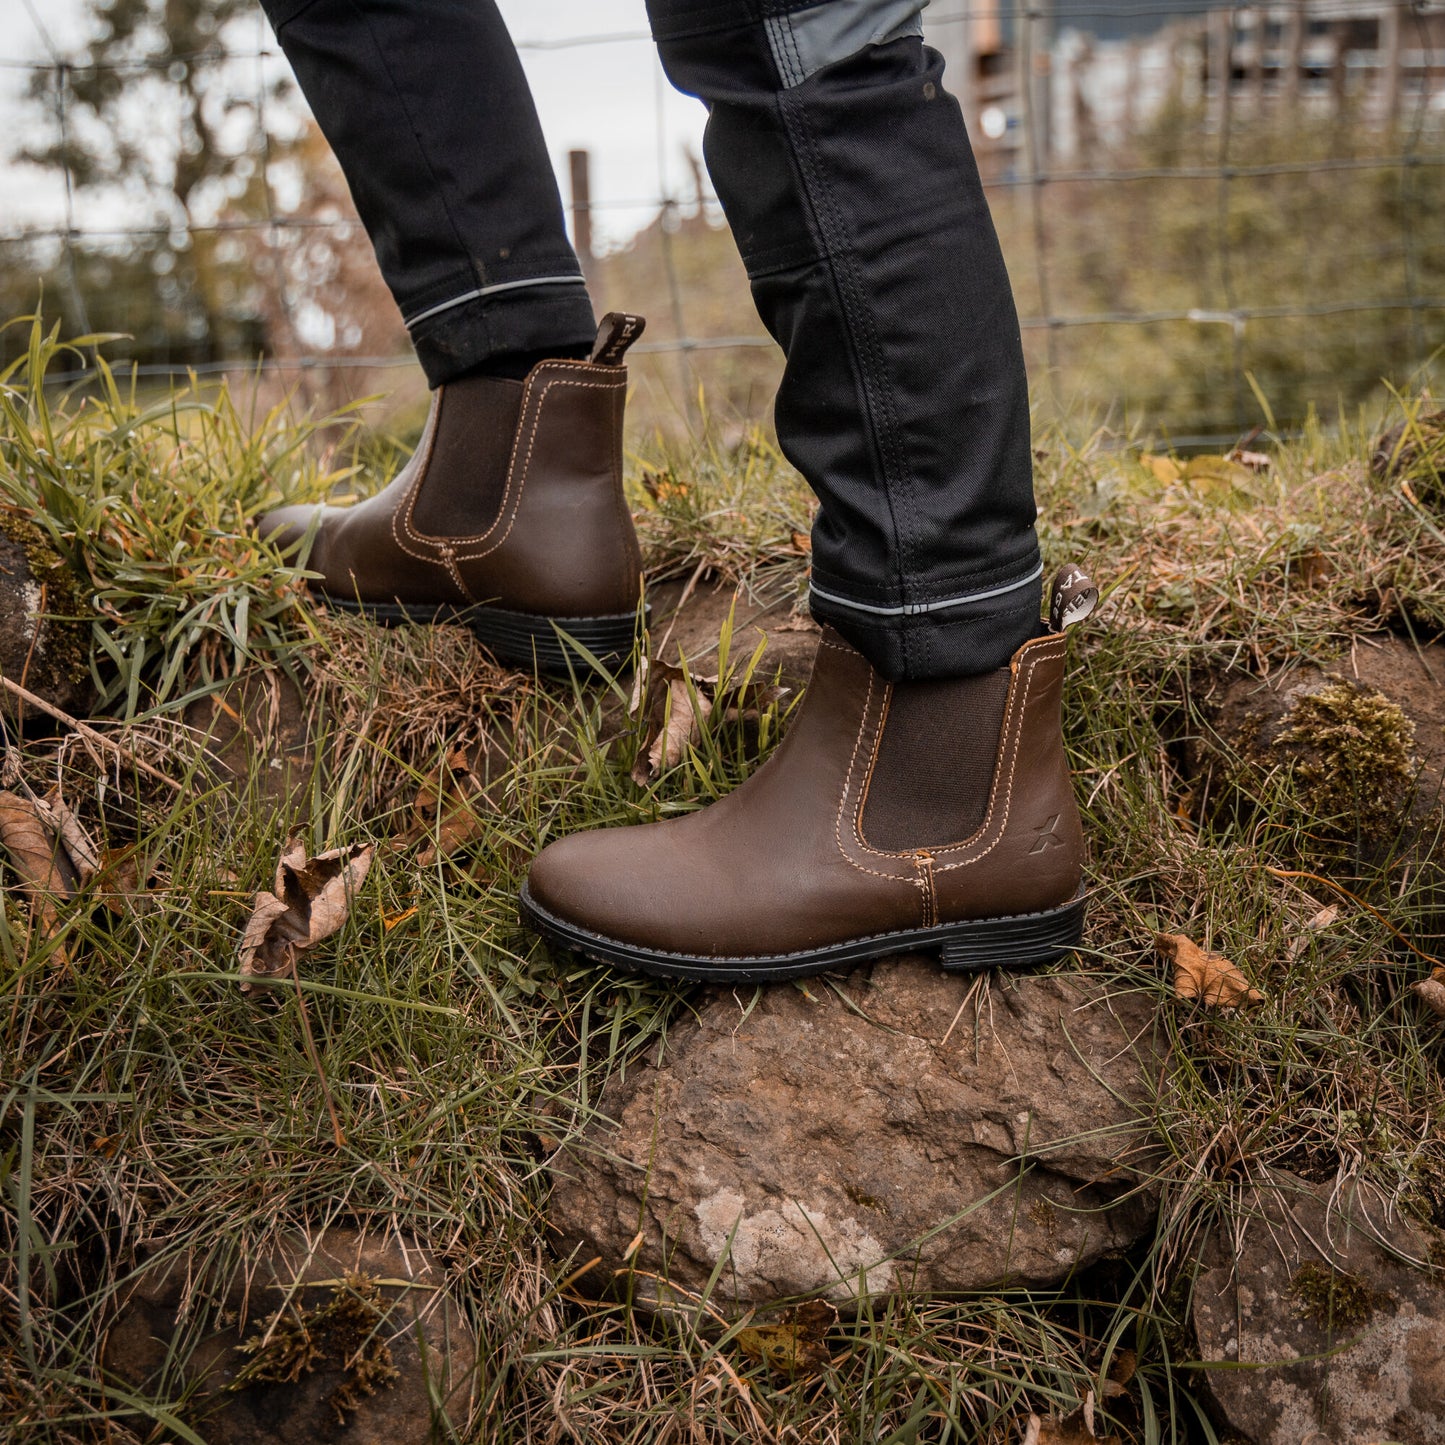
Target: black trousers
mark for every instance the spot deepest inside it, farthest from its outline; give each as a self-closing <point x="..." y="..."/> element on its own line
<point x="846" y="175"/>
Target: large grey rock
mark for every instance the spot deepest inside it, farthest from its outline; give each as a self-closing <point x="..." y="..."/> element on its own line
<point x="365" y="1309"/>
<point x="906" y="1129"/>
<point x="1309" y="1284"/>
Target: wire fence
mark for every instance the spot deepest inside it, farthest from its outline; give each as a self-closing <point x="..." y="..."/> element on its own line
<point x="1210" y="215"/>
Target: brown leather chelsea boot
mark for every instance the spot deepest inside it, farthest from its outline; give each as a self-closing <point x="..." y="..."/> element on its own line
<point x="509" y="518"/>
<point x="893" y="817"/>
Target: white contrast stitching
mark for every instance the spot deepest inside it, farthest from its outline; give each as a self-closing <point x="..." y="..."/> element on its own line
<point x="1015" y="747"/>
<point x="459" y="544"/>
<point x="521" y="479"/>
<point x="1040" y="652"/>
<point x="422" y="461"/>
<point x="911" y="880"/>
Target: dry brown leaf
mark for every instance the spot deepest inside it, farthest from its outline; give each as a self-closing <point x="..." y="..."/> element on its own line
<point x="310" y="901"/>
<point x="672" y="705"/>
<point x="1207" y="976"/>
<point x="1216" y="473"/>
<point x="39" y="858"/>
<point x="803" y="543"/>
<point x="1163" y="469"/>
<point x="72" y="835"/>
<point x="119" y="882"/>
<point x="36" y="852"/>
<point x="444" y="815"/>
<point x="1121" y="1371"/>
<point x="1432" y="990"/>
<point x="1076" y="1428"/>
<point x="797" y="1344"/>
<point x="663" y="701"/>
<point x="684" y="712"/>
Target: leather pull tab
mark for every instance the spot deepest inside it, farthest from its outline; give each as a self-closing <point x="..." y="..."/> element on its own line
<point x="619" y="329"/>
<point x="1073" y="597"/>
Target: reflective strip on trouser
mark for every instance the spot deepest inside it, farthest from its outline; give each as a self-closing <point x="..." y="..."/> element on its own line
<point x="847" y="178"/>
<point x="429" y="113"/>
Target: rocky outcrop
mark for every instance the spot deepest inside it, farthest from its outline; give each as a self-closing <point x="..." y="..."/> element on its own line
<point x="317" y="1340"/>
<point x="1359" y="747"/>
<point x="44" y="635"/>
<point x="1338" y="1303"/>
<point x="902" y="1129"/>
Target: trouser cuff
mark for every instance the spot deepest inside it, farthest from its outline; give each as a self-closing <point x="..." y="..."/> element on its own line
<point x="956" y="641"/>
<point x="543" y="319"/>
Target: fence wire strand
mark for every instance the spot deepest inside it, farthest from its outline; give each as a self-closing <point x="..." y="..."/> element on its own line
<point x="1036" y="166"/>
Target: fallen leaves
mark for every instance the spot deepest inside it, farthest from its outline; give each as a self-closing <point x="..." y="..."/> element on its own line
<point x="1209" y="977"/>
<point x="797" y="1344"/>
<point x="51" y="852"/>
<point x="1076" y="1428"/>
<point x="673" y="704"/>
<point x="1207" y="473"/>
<point x="310" y="901"/>
<point x="444" y="813"/>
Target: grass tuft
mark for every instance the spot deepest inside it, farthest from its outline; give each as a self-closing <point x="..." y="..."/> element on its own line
<point x="149" y="1112"/>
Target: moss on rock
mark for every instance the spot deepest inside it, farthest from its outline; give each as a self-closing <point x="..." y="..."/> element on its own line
<point x="44" y="626"/>
<point x="1335" y="1299"/>
<point x="1354" y="753"/>
<point x="1332" y="757"/>
<point x="344" y="1333"/>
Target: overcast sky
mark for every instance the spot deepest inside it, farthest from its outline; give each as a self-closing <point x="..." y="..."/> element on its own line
<point x="609" y="98"/>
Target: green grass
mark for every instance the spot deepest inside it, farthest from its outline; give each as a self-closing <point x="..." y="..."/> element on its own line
<point x="148" y="1109"/>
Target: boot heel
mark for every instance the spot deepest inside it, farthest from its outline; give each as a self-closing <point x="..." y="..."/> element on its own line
<point x="1022" y="942"/>
<point x="553" y="645"/>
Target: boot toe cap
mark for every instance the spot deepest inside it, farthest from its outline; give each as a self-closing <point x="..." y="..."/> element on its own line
<point x="586" y="880"/>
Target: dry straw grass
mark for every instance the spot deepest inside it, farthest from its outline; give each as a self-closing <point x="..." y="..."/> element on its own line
<point x="148" y="1111"/>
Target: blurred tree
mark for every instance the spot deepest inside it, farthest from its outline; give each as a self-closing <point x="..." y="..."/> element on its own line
<point x="157" y="113"/>
<point x="315" y="286"/>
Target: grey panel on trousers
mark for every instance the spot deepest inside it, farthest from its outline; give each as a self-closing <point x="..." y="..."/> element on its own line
<point x="807" y="40"/>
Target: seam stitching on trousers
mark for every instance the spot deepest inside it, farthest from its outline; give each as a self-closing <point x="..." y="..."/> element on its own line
<point x="840" y="259"/>
<point x="360" y="14"/>
<point x="776" y="28"/>
<point x="918" y="609"/>
<point x="492" y="290"/>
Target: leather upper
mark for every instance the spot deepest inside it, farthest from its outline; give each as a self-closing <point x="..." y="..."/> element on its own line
<point x="513" y="497"/>
<point x="782" y="864"/>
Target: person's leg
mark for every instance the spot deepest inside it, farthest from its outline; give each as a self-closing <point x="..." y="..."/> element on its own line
<point x="510" y="516"/>
<point x="428" y="111"/>
<point x="846" y="174"/>
<point x="921" y="798"/>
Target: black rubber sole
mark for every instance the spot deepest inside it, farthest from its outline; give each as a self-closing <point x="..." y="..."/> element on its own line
<point x="552" y="646"/>
<point x="1024" y="940"/>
